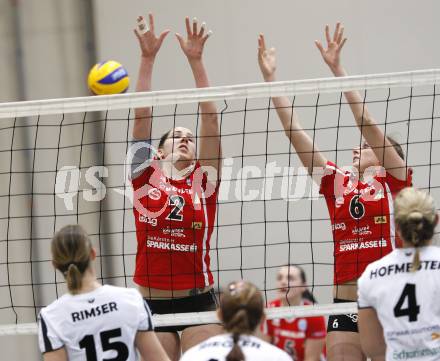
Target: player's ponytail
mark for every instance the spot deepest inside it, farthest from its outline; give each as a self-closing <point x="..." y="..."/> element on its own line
<point x="415" y="215"/>
<point x="241" y="312"/>
<point x="71" y="249"/>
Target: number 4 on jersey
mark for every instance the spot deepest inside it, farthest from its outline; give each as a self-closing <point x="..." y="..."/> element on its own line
<point x="413" y="309"/>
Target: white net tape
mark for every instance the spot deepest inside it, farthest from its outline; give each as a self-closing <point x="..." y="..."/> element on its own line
<point x="249" y="91"/>
<point x="210" y="317"/>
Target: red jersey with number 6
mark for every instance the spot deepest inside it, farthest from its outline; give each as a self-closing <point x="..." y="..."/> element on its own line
<point x="362" y="217"/>
<point x="290" y="334"/>
<point x="174" y="223"/>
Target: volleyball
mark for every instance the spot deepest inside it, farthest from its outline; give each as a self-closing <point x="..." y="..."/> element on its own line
<point x="108" y="77"/>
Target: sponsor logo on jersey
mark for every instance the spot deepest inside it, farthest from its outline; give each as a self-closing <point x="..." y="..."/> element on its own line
<point x="154" y="194"/>
<point x="416" y="354"/>
<point x="91" y="300"/>
<point x="149" y="220"/>
<point x="362" y="231"/>
<point x="380" y="220"/>
<point x="354" y="245"/>
<point x="196" y="225"/>
<point x="172" y="246"/>
<point x="302" y="324"/>
<point x="174" y="232"/>
<point x="339" y="226"/>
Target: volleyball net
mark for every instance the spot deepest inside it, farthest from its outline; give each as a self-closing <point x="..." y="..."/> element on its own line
<point x="64" y="161"/>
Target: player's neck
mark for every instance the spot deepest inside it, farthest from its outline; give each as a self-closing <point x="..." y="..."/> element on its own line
<point x="89" y="282"/>
<point x="177" y="170"/>
<point x="291" y="301"/>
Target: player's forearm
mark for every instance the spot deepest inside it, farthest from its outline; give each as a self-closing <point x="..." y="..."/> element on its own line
<point x="304" y="145"/>
<point x="142" y="122"/>
<point x="202" y="81"/>
<point x="358" y="108"/>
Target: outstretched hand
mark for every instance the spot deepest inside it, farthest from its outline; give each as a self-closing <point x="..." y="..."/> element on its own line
<point x="266" y="60"/>
<point x="195" y="41"/>
<point x="331" y="55"/>
<point x="148" y="41"/>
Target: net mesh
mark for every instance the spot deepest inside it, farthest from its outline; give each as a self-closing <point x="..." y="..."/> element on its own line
<point x="64" y="161"/>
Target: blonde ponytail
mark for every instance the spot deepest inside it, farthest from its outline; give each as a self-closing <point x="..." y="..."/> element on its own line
<point x="415" y="216"/>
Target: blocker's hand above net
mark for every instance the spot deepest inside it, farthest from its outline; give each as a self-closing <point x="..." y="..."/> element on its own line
<point x="195" y="41"/>
<point x="266" y="59"/>
<point x="331" y="54"/>
<point x="148" y="41"/>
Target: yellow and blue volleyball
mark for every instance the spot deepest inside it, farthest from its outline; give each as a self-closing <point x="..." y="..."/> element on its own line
<point x="108" y="77"/>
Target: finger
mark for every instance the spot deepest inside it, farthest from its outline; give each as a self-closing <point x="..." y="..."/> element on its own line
<point x="202" y="29"/>
<point x="188" y="27"/>
<point x="263" y="41"/>
<point x="208" y="34"/>
<point x="151" y="20"/>
<point x="319" y="46"/>
<point x="142" y="25"/>
<point x="342" y="44"/>
<point x="163" y="35"/>
<point x="327" y="34"/>
<point x="340" y="35"/>
<point x="180" y="39"/>
<point x="194" y="29"/>
<point x="335" y="34"/>
<point x="135" y="31"/>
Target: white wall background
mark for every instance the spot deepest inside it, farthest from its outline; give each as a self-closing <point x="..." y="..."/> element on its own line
<point x="383" y="37"/>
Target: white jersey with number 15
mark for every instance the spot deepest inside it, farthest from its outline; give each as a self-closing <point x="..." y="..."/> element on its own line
<point x="97" y="325"/>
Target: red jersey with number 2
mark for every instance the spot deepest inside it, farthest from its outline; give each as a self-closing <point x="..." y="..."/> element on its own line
<point x="174" y="223"/>
<point x="290" y="334"/>
<point x="362" y="217"/>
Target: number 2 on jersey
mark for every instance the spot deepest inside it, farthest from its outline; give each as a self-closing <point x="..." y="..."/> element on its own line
<point x="88" y="342"/>
<point x="413" y="309"/>
<point x="177" y="202"/>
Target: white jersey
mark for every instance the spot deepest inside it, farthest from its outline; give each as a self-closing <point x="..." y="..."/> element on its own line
<point x="217" y="348"/>
<point x="407" y="303"/>
<point x="97" y="325"/>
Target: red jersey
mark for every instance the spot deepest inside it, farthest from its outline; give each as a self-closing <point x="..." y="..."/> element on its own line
<point x="362" y="217"/>
<point x="290" y="334"/>
<point x="174" y="223"/>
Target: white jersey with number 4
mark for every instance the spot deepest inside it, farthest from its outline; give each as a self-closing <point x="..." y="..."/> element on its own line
<point x="407" y="303"/>
<point x="217" y="348"/>
<point x="97" y="325"/>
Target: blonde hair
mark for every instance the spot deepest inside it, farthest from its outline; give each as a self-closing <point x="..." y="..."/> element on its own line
<point x="242" y="309"/>
<point x="71" y="249"/>
<point x="415" y="214"/>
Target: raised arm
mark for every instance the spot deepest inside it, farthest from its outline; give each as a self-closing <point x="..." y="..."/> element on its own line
<point x="210" y="152"/>
<point x="150" y="45"/>
<point x="307" y="151"/>
<point x="371" y="132"/>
